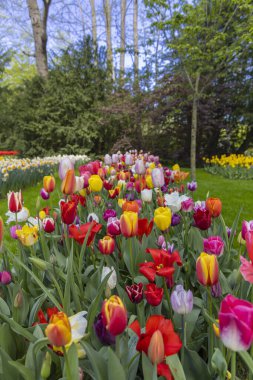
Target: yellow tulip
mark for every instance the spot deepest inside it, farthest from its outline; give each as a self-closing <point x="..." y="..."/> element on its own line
<point x="95" y="183"/>
<point x="162" y="218"/>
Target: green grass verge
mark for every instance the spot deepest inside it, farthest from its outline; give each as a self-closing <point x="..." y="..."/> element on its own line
<point x="233" y="193"/>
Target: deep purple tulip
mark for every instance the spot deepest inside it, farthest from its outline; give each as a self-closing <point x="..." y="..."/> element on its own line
<point x="181" y="300"/>
<point x="246" y="227"/>
<point x="44" y="194"/>
<point x="164" y="189"/>
<point x="109" y="213"/>
<point x="192" y="186"/>
<point x="102" y="333"/>
<point x="175" y="220"/>
<point x="216" y="290"/>
<point x="130" y="196"/>
<point x="135" y="292"/>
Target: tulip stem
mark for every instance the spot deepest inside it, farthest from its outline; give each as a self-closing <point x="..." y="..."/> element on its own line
<point x="183" y="338"/>
<point x="68" y="371"/>
<point x="117" y="345"/>
<point x="131" y="259"/>
<point x="210" y="335"/>
<point x="167" y="296"/>
<point x="233" y="366"/>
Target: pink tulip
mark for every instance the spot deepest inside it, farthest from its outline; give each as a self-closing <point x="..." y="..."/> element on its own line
<point x="249" y="244"/>
<point x="246" y="227"/>
<point x="236" y="323"/>
<point x="214" y="245"/>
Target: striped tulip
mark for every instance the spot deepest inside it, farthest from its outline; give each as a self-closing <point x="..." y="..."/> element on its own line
<point x="129" y="223"/>
<point x="114" y="315"/>
<point x="49" y="183"/>
<point x="68" y="185"/>
<point x="14" y="201"/>
<point x="207" y="269"/>
<point x="58" y="330"/>
<point x="106" y="245"/>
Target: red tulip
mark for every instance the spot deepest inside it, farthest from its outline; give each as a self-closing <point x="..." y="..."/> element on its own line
<point x="114" y="315"/>
<point x="153" y="294"/>
<point x="144" y="227"/>
<point x="79" y="233"/>
<point x="135" y="292"/>
<point x="68" y="211"/>
<point x="202" y="218"/>
<point x="106" y="245"/>
<point x="14" y="201"/>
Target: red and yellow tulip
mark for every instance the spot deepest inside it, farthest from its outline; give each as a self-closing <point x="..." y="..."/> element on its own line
<point x="69" y="182"/>
<point x="207" y="269"/>
<point x="114" y="315"/>
<point x="129" y="223"/>
<point x="59" y="330"/>
<point x="49" y="183"/>
<point x="106" y="245"/>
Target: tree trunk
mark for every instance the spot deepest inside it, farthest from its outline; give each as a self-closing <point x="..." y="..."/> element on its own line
<point x="107" y="10"/>
<point x="94" y="21"/>
<point x="122" y="40"/>
<point x="136" y="52"/>
<point x="194" y="128"/>
<point x="39" y="26"/>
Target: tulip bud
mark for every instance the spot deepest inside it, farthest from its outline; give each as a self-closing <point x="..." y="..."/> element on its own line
<point x="156" y="348"/>
<point x="114" y="315"/>
<point x="44" y="194"/>
<point x="140" y="167"/>
<point x="207" y="269"/>
<point x="214" y="206"/>
<point x="49" y="183"/>
<point x="106" y="245"/>
<point x="48" y="224"/>
<point x="58" y="330"/>
<point x="129" y="224"/>
<point x="130" y="206"/>
<point x="181" y="300"/>
<point x="18" y="300"/>
<point x="162" y="218"/>
<point x="112" y="280"/>
<point x="135" y="292"/>
<point x="40" y="264"/>
<point x="68" y="185"/>
<point x="14" y="201"/>
<point x="157" y="177"/>
<point x="46" y="366"/>
<point x="5" y="278"/>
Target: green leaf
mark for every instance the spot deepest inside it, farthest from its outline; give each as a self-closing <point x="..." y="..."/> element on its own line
<point x="115" y="371"/>
<point x="27" y="373"/>
<point x="149" y="370"/>
<point x="73" y="360"/>
<point x="97" y="361"/>
<point x="219" y="363"/>
<point x="17" y="328"/>
<point x="176" y="367"/>
<point x="7" y="371"/>
<point x="4" y="308"/>
<point x="36" y="306"/>
<point x="195" y="367"/>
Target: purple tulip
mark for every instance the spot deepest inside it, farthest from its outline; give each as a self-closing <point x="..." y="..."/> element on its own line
<point x="236" y="323"/>
<point x="164" y="189"/>
<point x="157" y="177"/>
<point x="168" y="247"/>
<point x="135" y="292"/>
<point x="192" y="186"/>
<point x="246" y="227"/>
<point x="216" y="290"/>
<point x="214" y="245"/>
<point x="128" y="159"/>
<point x="115" y="158"/>
<point x="113" y="226"/>
<point x="181" y="300"/>
<point x="130" y="196"/>
<point x="109" y="213"/>
<point x="107" y="159"/>
<point x="64" y="166"/>
<point x="44" y="194"/>
<point x="5" y="278"/>
<point x="187" y="205"/>
<point x="175" y="220"/>
<point x="228" y="231"/>
<point x="160" y="240"/>
<point x="102" y="333"/>
<point x="129" y="185"/>
<point x="140" y="167"/>
<point x="13" y="230"/>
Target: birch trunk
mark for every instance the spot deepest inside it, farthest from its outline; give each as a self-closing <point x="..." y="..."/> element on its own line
<point x="39" y="27"/>
<point x="107" y="10"/>
<point x="94" y="21"/>
<point x="122" y="39"/>
<point x="194" y="127"/>
<point x="136" y="52"/>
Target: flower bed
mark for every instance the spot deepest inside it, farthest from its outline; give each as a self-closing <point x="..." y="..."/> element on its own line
<point x="233" y="166"/>
<point x="126" y="278"/>
<point x="17" y="174"/>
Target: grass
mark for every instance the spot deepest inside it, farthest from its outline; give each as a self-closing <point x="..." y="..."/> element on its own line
<point x="233" y="193"/>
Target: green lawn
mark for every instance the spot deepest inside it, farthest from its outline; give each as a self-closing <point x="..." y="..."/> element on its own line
<point x="233" y="193"/>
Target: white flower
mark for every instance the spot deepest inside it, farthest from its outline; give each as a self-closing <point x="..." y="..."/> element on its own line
<point x="78" y="324"/>
<point x="22" y="215"/>
<point x="146" y="195"/>
<point x="92" y="216"/>
<point x="174" y="200"/>
<point x="112" y="281"/>
<point x="79" y="183"/>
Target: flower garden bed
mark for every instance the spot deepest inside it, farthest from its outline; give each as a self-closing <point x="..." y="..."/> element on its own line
<point x="232" y="166"/>
<point x="125" y="278"/>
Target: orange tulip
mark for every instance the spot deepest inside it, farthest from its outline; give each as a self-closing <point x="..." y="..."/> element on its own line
<point x="207" y="269"/>
<point x="156" y="348"/>
<point x="58" y="330"/>
<point x="130" y="206"/>
<point x="214" y="206"/>
<point x="129" y="223"/>
<point x="49" y="183"/>
<point x="69" y="183"/>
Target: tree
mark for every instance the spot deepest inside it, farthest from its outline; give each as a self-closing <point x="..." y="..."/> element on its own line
<point x="108" y="26"/>
<point x="122" y="39"/>
<point x="136" y="45"/>
<point x="39" y="26"/>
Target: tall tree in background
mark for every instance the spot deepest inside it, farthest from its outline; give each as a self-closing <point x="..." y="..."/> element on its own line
<point x="108" y="26"/>
<point x="39" y="26"/>
<point x="94" y="21"/>
<point x="136" y="45"/>
<point x="122" y="39"/>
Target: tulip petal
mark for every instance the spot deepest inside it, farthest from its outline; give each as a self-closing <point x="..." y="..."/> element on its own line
<point x="246" y="270"/>
<point x="153" y="323"/>
<point x="118" y="321"/>
<point x="135" y="326"/>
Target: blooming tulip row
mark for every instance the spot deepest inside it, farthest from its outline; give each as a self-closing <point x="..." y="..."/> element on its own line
<point x="232" y="166"/>
<point x="17" y="173"/>
<point x="128" y="276"/>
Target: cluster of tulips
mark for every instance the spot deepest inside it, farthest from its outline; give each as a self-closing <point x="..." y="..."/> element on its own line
<point x="233" y="166"/>
<point x="127" y="277"/>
